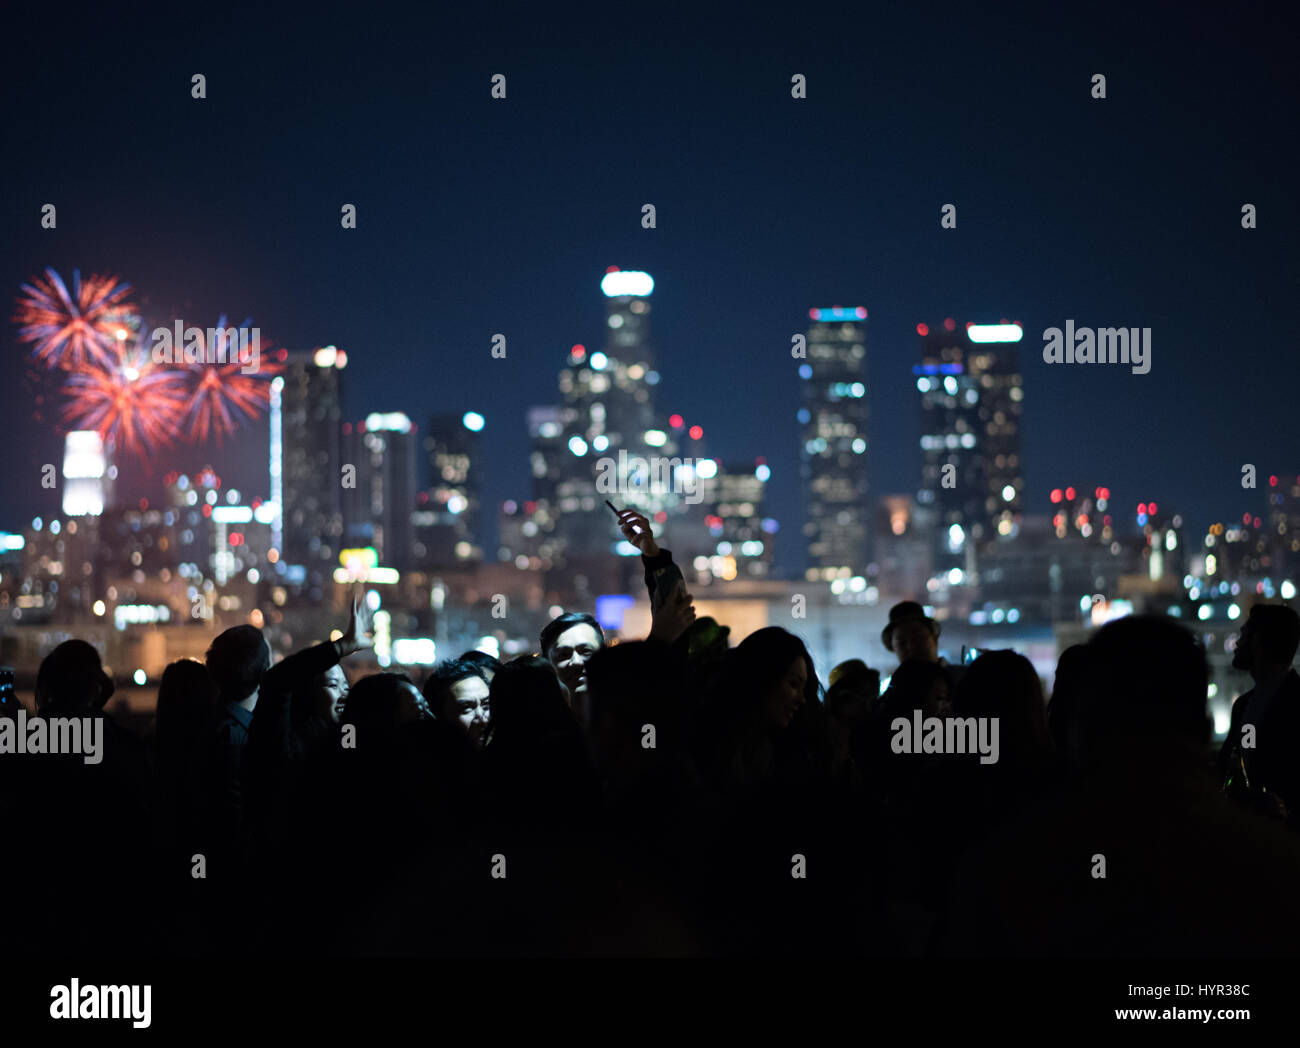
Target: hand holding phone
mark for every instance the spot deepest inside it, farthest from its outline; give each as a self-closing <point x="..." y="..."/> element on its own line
<point x="636" y="529"/>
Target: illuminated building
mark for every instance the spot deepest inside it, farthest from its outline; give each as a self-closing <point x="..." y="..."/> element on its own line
<point x="607" y="410"/>
<point x="311" y="476"/>
<point x="833" y="450"/>
<point x="1283" y="524"/>
<point x="377" y="511"/>
<point x="903" y="544"/>
<point x="1044" y="577"/>
<point x="447" y="516"/>
<point x="87" y="474"/>
<point x="736" y="539"/>
<point x="971" y="398"/>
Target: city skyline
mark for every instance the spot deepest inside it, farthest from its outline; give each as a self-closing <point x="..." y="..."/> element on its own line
<point x="467" y="227"/>
<point x="226" y="458"/>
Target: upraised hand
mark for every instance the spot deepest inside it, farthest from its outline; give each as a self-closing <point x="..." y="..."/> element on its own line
<point x="356" y="636"/>
<point x="636" y="529"/>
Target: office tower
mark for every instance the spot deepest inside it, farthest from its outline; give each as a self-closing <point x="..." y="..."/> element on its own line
<point x="744" y="537"/>
<point x="87" y="474"/>
<point x="546" y="449"/>
<point x="834" y="443"/>
<point x="448" y="514"/>
<point x="1083" y="513"/>
<point x="971" y="394"/>
<point x="309" y="476"/>
<point x="608" y="420"/>
<point x="59" y="573"/>
<point x="1283" y="522"/>
<point x="377" y="509"/>
<point x="903" y="547"/>
<point x="1046" y="577"/>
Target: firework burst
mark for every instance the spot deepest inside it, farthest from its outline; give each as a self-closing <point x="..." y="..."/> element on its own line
<point x="137" y="403"/>
<point x="224" y="392"/>
<point x="71" y="329"/>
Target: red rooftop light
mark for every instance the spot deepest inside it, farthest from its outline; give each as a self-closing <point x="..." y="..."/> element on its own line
<point x="696" y="432"/>
<point x="922" y="330"/>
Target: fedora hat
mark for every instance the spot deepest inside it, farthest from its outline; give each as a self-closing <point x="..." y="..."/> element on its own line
<point x="905" y="611"/>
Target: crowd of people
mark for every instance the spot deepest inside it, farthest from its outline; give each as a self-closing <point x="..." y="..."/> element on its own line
<point x="672" y="796"/>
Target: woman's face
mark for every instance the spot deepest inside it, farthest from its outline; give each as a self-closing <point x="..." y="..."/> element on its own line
<point x="787" y="694"/>
<point x="332" y="694"/>
<point x="467" y="701"/>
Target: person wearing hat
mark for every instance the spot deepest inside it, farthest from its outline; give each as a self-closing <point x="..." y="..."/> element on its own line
<point x="911" y="634"/>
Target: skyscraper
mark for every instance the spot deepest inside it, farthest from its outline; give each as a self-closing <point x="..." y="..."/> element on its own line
<point x="310" y="479"/>
<point x="87" y="474"/>
<point x="608" y="410"/>
<point x="834" y="449"/>
<point x="448" y="515"/>
<point x="971" y="393"/>
<point x="377" y="511"/>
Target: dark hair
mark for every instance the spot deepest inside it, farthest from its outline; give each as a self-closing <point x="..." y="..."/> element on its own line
<point x="187" y="702"/>
<point x="551" y="633"/>
<point x="1278" y="630"/>
<point x="910" y="685"/>
<point x="446" y="674"/>
<point x="374" y="704"/>
<point x="1070" y="691"/>
<point x="1151" y="679"/>
<point x="849" y="679"/>
<point x="482" y="660"/>
<point x="630" y="683"/>
<point x="527" y="701"/>
<point x="750" y="669"/>
<point x="237" y="660"/>
<point x="1005" y="685"/>
<point x="72" y="677"/>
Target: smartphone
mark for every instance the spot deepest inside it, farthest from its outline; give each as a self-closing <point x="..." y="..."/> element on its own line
<point x="969" y="655"/>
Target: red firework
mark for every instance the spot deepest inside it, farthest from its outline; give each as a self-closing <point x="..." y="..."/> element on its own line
<point x="136" y="402"/>
<point x="72" y="329"/>
<point x="226" y="389"/>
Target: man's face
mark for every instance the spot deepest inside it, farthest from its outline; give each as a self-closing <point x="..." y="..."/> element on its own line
<point x="468" y="703"/>
<point x="1243" y="656"/>
<point x="569" y="656"/>
<point x="913" y="640"/>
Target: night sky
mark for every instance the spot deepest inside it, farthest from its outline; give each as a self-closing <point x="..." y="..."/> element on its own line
<point x="478" y="216"/>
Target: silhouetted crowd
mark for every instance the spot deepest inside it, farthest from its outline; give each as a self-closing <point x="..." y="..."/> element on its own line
<point x="668" y="796"/>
